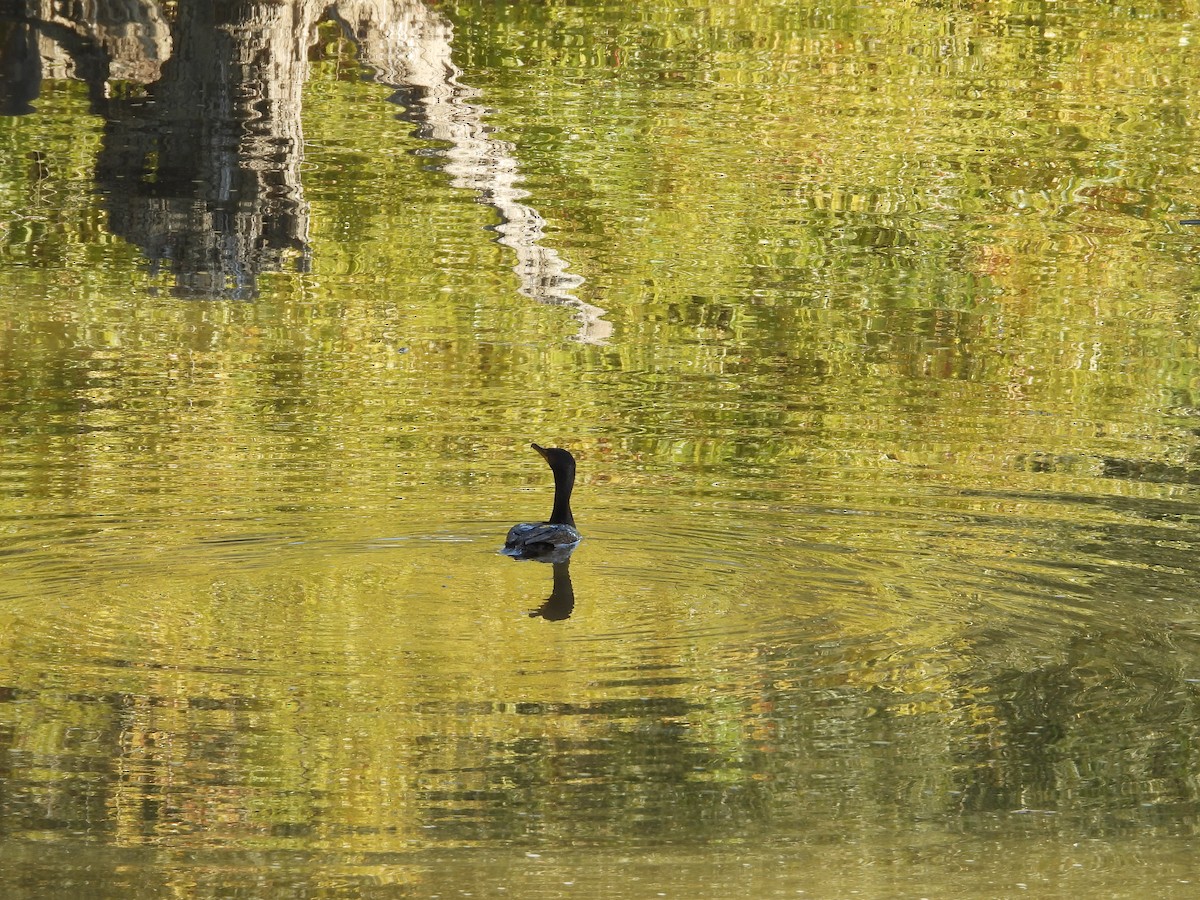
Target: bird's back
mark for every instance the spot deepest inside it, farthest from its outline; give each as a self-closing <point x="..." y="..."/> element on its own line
<point x="540" y="536"/>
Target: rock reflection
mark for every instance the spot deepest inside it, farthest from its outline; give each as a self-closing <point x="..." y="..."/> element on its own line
<point x="200" y="165"/>
<point x="20" y="69"/>
<point x="414" y="56"/>
<point x="204" y="173"/>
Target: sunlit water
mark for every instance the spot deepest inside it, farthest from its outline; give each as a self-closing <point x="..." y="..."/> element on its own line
<point x="887" y="425"/>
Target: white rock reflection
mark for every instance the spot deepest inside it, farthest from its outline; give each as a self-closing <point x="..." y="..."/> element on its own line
<point x="410" y="45"/>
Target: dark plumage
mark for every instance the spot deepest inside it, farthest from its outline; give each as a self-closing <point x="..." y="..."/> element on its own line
<point x="557" y="535"/>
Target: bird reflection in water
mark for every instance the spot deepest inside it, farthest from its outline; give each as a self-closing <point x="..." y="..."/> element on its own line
<point x="561" y="602"/>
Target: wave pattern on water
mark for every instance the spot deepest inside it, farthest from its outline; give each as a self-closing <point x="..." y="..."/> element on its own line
<point x="887" y="465"/>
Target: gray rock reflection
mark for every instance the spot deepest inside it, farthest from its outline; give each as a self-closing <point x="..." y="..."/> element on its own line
<point x="201" y="168"/>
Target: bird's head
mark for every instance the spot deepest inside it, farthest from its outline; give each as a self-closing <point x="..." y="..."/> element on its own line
<point x="557" y="458"/>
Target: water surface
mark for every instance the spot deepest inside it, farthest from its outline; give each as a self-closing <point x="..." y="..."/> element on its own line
<point x="871" y="328"/>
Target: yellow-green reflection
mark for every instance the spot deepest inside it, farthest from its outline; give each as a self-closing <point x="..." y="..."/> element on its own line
<point x="887" y="442"/>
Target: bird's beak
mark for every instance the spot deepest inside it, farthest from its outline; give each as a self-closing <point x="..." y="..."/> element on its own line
<point x="541" y="450"/>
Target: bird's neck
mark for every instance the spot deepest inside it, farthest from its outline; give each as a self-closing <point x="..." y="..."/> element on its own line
<point x="563" y="590"/>
<point x="561" y="514"/>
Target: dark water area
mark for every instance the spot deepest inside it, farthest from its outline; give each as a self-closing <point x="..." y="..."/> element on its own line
<point x="871" y="329"/>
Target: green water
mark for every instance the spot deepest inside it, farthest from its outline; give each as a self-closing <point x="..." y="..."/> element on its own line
<point x="872" y="329"/>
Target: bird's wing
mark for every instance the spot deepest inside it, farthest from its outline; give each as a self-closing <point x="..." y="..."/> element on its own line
<point x="542" y="533"/>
